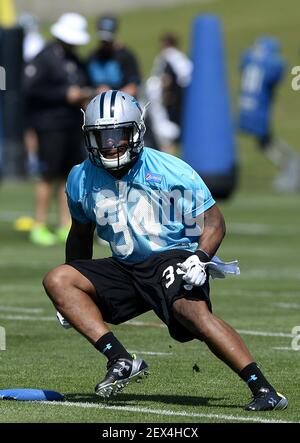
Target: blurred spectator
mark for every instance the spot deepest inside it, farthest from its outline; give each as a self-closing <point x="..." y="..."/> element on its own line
<point x="262" y="68"/>
<point x="171" y="74"/>
<point x="112" y="65"/>
<point x="55" y="89"/>
<point x="33" y="43"/>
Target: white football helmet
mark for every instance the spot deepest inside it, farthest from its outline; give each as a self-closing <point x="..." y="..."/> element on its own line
<point x="113" y="124"/>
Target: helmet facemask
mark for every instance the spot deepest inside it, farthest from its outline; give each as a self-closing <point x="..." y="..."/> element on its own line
<point x="113" y="146"/>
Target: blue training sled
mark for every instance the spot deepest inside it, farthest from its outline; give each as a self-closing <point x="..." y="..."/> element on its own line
<point x="25" y="394"/>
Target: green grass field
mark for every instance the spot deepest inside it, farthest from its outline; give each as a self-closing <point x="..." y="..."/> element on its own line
<point x="263" y="232"/>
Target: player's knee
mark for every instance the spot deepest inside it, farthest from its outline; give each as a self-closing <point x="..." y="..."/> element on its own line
<point x="55" y="280"/>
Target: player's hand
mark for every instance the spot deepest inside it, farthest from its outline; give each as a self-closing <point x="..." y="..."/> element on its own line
<point x="194" y="271"/>
<point x="102" y="88"/>
<point x="73" y="94"/>
<point x="79" y="96"/>
<point x="86" y="96"/>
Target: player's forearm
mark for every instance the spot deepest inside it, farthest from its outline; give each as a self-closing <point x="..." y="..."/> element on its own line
<point x="213" y="231"/>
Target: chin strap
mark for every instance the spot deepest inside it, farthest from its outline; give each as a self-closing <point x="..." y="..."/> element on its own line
<point x="145" y="110"/>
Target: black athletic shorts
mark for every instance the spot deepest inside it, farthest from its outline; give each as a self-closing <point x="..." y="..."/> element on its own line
<point x="58" y="151"/>
<point x="126" y="290"/>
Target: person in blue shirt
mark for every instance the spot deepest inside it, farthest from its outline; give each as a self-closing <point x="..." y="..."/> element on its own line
<point x="262" y="69"/>
<point x="112" y="65"/>
<point x="163" y="227"/>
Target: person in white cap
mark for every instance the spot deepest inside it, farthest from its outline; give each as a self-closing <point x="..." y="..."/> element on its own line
<point x="55" y="90"/>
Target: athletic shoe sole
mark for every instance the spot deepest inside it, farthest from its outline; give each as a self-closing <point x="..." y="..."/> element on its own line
<point x="283" y="404"/>
<point x="115" y="388"/>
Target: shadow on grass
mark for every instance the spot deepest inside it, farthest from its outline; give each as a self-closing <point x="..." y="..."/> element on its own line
<point x="131" y="399"/>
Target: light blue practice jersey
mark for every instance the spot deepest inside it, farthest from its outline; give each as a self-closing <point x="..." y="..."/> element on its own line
<point x="150" y="209"/>
<point x="262" y="68"/>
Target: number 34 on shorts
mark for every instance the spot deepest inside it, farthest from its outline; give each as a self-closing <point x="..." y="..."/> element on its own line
<point x="169" y="275"/>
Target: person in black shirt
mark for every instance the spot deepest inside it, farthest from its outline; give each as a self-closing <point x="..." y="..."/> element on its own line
<point x="55" y="89"/>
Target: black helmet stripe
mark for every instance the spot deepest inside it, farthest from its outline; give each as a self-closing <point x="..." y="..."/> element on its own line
<point x="112" y="103"/>
<point x="102" y="97"/>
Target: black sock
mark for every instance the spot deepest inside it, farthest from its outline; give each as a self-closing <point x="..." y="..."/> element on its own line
<point x="254" y="378"/>
<point x="110" y="346"/>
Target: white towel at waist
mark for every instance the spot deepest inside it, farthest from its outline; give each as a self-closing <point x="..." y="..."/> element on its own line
<point x="219" y="269"/>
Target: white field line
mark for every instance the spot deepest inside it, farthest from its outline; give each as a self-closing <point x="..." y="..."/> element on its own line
<point x="144" y="324"/>
<point x="262" y="229"/>
<point x="264" y="333"/>
<point x="241" y="331"/>
<point x="287" y="305"/>
<point x="24" y="310"/>
<point x="255" y="251"/>
<point x="18" y="286"/>
<point x="31" y="265"/>
<point x="18" y="290"/>
<point x="165" y="412"/>
<point x="248" y="293"/>
<point x="264" y="201"/>
<point x="150" y="353"/>
<point x="271" y="274"/>
<point x="284" y="348"/>
<point x="26" y="318"/>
